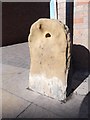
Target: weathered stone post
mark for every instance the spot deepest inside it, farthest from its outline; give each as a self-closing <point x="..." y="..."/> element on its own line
<point x="49" y="43"/>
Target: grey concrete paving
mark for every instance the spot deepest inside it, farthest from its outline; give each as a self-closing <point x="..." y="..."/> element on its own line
<point x="12" y="105"/>
<point x="20" y="102"/>
<point x="0" y="75"/>
<point x="9" y="54"/>
<point x="18" y="85"/>
<point x="9" y="72"/>
<point x="34" y="111"/>
<point x="62" y="109"/>
<point x="81" y="78"/>
<point x="0" y="104"/>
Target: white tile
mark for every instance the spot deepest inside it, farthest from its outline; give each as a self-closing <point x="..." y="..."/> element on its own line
<point x="35" y="111"/>
<point x="18" y="85"/>
<point x="12" y="106"/>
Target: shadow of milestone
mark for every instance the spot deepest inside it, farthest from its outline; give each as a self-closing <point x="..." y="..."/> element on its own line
<point x="79" y="67"/>
<point x="84" y="111"/>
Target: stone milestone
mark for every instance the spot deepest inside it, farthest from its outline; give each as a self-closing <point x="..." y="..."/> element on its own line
<point x="50" y="54"/>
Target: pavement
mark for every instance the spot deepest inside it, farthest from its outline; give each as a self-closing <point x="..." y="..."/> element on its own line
<point x="19" y="102"/>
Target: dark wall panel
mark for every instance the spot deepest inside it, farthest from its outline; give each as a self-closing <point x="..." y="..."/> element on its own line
<point x="17" y="18"/>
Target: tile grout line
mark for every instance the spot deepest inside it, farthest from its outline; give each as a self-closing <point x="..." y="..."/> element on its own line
<point x="30" y="102"/>
<point x="50" y="110"/>
<point x="46" y="109"/>
<point x="24" y="110"/>
<point x="16" y="95"/>
<point x="33" y="103"/>
<point x="25" y="68"/>
<point x="40" y="107"/>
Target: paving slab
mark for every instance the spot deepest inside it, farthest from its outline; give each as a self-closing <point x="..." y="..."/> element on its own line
<point x="84" y="108"/>
<point x="8" y="72"/>
<point x="70" y="109"/>
<point x="83" y="88"/>
<point x="0" y="54"/>
<point x="0" y="75"/>
<point x="0" y="104"/>
<point x="18" y="82"/>
<point x="34" y="111"/>
<point x="82" y="78"/>
<point x="16" y="55"/>
<point x="12" y="105"/>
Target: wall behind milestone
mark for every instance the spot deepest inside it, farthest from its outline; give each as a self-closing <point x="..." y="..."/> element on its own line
<point x="17" y="18"/>
<point x="81" y="23"/>
<point x="80" y="39"/>
<point x="81" y="51"/>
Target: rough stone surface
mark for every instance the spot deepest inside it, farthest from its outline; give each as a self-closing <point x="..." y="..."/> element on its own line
<point x="50" y="53"/>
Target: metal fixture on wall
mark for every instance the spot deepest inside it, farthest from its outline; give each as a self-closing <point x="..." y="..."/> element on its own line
<point x="53" y="9"/>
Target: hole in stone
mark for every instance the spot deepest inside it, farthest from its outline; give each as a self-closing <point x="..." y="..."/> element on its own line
<point x="40" y="26"/>
<point x="47" y="35"/>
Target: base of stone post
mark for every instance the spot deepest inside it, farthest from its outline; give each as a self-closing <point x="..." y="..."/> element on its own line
<point x="53" y="87"/>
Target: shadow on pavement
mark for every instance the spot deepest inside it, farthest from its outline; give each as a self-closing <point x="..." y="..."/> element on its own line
<point x="79" y="68"/>
<point x="84" y="108"/>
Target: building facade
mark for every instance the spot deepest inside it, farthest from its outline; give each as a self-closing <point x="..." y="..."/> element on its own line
<point x="76" y="17"/>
